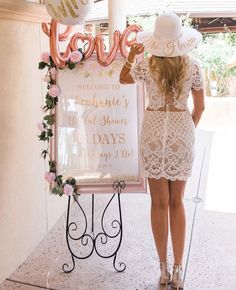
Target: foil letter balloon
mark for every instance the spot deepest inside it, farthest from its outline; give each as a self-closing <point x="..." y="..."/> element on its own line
<point x="69" y="12"/>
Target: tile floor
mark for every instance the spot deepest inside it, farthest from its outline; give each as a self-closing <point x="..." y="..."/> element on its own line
<point x="210" y="252"/>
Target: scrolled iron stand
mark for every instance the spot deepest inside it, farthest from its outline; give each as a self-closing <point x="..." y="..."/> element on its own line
<point x="102" y="236"/>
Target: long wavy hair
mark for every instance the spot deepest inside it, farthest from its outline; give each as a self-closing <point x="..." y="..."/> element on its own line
<point x="169" y="72"/>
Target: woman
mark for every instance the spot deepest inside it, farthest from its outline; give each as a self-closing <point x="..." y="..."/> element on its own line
<point x="168" y="129"/>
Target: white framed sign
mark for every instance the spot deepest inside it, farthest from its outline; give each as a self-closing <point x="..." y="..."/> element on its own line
<point x="97" y="128"/>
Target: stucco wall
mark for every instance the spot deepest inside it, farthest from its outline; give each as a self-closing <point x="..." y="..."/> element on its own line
<point x="27" y="211"/>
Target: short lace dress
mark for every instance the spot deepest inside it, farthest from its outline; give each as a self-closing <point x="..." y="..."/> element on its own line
<point x="167" y="137"/>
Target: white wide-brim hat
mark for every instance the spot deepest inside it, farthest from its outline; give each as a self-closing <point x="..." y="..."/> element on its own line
<point x="169" y="38"/>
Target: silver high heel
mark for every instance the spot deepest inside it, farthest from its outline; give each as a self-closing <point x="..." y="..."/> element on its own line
<point x="177" y="280"/>
<point x="165" y="274"/>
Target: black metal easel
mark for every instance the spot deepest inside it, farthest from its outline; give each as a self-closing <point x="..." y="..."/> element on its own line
<point x="102" y="236"/>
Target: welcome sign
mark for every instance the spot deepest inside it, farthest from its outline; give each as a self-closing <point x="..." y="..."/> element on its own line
<point x="98" y="126"/>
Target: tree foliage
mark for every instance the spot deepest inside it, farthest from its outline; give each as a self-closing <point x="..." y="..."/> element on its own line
<point x="214" y="53"/>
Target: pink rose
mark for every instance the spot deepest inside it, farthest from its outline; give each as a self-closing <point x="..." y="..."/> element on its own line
<point x="76" y="56"/>
<point x="68" y="189"/>
<point x="40" y="127"/>
<point x="45" y="57"/>
<point x="54" y="91"/>
<point x="50" y="177"/>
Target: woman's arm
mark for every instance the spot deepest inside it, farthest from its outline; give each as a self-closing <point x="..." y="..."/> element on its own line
<point x="198" y="105"/>
<point x="125" y="76"/>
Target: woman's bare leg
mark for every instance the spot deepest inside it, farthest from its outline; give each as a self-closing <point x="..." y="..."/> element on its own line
<point x="159" y="189"/>
<point x="177" y="218"/>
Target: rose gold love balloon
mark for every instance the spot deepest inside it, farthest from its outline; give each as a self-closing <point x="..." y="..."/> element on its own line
<point x="58" y="57"/>
<point x="69" y="12"/>
<point x="62" y="36"/>
<point x="125" y="43"/>
<point x="103" y="58"/>
<point x="90" y="43"/>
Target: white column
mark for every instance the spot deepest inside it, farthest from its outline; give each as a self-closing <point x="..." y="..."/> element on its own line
<point x="95" y="29"/>
<point x="117" y="11"/>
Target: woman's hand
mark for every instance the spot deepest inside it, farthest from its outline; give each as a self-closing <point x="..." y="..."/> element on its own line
<point x="136" y="49"/>
<point x="125" y="76"/>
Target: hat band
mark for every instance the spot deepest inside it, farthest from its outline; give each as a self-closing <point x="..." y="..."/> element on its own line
<point x="166" y="39"/>
<point x="169" y="48"/>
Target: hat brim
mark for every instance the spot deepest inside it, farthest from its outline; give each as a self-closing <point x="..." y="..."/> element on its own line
<point x="189" y="40"/>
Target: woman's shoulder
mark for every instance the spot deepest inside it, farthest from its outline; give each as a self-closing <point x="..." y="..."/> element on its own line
<point x="140" y="69"/>
<point x="193" y="61"/>
<point x="144" y="62"/>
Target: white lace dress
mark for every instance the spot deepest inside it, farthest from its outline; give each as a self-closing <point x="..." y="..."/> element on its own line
<point x="167" y="137"/>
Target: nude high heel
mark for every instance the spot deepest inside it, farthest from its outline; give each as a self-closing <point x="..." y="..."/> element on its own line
<point x="177" y="280"/>
<point x="165" y="274"/>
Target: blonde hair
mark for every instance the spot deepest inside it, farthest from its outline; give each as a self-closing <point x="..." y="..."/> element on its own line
<point x="169" y="72"/>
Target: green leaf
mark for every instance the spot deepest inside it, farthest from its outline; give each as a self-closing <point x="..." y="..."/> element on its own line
<point x="42" y="136"/>
<point x="61" y="193"/>
<point x="49" y="132"/>
<point x="55" y="190"/>
<point x="52" y="64"/>
<point x="51" y="122"/>
<point x="42" y="65"/>
<point x="47" y="117"/>
<point x="49" y="103"/>
<point x="73" y="181"/>
<point x="52" y="166"/>
<point x="71" y="65"/>
<point x="44" y="153"/>
<point x="55" y="100"/>
<point x="81" y="50"/>
<point x="50" y="119"/>
<point x="59" y="180"/>
<point x="47" y="108"/>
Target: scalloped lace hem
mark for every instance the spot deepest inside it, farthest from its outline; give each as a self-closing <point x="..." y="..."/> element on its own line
<point x="166" y="176"/>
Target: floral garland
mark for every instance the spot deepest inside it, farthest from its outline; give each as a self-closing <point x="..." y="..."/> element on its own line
<point x="58" y="186"/>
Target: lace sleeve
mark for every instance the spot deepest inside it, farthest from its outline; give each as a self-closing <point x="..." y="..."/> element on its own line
<point x="197" y="77"/>
<point x="139" y="70"/>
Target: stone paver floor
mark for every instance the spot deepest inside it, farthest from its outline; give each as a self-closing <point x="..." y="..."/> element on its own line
<point x="210" y="252"/>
